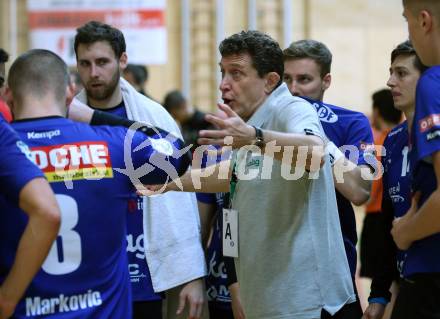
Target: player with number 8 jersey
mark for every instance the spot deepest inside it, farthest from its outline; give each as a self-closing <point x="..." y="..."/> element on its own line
<point x="92" y="171"/>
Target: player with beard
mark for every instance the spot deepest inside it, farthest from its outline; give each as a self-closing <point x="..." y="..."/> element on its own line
<point x="100" y="52"/>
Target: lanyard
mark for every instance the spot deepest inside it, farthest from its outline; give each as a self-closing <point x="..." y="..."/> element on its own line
<point x="232" y="184"/>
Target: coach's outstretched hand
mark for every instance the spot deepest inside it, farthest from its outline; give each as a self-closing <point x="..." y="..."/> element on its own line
<point x="231" y="126"/>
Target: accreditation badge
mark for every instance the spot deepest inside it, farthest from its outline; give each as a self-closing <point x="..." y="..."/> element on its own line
<point x="230" y="233"/>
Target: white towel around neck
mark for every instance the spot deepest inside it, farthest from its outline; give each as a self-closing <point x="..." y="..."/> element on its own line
<point x="171" y="222"/>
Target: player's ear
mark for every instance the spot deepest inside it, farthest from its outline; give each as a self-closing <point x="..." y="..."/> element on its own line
<point x="9" y="98"/>
<point x="426" y="20"/>
<point x="123" y="61"/>
<point x="70" y="89"/>
<point x="326" y="81"/>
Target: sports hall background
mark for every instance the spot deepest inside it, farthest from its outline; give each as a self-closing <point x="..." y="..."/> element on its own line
<point x="360" y="34"/>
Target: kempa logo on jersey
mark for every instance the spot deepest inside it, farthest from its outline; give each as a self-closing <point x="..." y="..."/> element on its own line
<point x="85" y="160"/>
<point x="325" y="113"/>
<point x="39" y="135"/>
<point x="36" y="306"/>
<point x="392" y="133"/>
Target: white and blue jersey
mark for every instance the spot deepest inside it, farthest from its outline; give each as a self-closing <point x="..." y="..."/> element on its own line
<point x="346" y="128"/>
<point x="16" y="169"/>
<point x="422" y="256"/>
<point x="91" y="171"/>
<point x="396" y="178"/>
<point x="140" y="278"/>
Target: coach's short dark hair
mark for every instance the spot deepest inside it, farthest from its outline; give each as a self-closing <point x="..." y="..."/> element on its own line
<point x="384" y="103"/>
<point x="95" y="31"/>
<point x="407" y="49"/>
<point x="265" y="52"/>
<point x="4" y="56"/>
<point x="38" y="72"/>
<point x="312" y="49"/>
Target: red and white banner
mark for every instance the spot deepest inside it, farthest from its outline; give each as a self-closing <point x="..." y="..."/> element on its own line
<point x="53" y="24"/>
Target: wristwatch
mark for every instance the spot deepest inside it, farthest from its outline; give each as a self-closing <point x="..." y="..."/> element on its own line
<point x="259" y="139"/>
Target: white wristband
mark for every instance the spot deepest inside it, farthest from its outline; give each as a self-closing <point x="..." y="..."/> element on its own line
<point x="334" y="153"/>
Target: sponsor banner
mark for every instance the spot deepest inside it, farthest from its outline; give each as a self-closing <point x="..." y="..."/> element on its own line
<point x="53" y="24"/>
<point x="85" y="160"/>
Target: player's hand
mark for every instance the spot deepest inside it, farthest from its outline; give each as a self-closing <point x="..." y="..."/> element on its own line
<point x="231" y="126"/>
<point x="374" y="311"/>
<point x="7" y="307"/>
<point x="237" y="308"/>
<point x="402" y="226"/>
<point x="193" y="294"/>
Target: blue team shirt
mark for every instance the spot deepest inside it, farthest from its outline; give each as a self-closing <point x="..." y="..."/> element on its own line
<point x="16" y="169"/>
<point x="346" y="127"/>
<point x="396" y="178"/>
<point x="423" y="255"/>
<point x="85" y="274"/>
<point x="141" y="284"/>
<point x="216" y="281"/>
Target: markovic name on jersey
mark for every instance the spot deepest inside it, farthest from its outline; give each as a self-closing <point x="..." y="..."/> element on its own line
<point x="36" y="306"/>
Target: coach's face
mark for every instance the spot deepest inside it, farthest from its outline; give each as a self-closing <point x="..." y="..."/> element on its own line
<point x="99" y="70"/>
<point x="241" y="86"/>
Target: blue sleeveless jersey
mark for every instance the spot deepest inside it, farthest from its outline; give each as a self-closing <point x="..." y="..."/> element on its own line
<point x="396" y="178"/>
<point x="423" y="255"/>
<point x="16" y="169"/>
<point x="346" y="127"/>
<point x="91" y="170"/>
<point x="140" y="278"/>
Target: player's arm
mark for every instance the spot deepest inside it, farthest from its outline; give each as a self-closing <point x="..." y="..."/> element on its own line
<point x="352" y="185"/>
<point x="353" y="175"/>
<point x="81" y="112"/>
<point x="419" y="223"/>
<point x="37" y="200"/>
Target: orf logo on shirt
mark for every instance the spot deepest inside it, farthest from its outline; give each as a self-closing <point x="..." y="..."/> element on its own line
<point x="429" y="122"/>
<point x="325" y="113"/>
